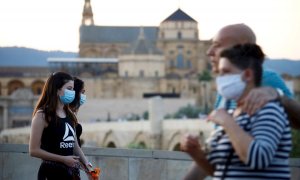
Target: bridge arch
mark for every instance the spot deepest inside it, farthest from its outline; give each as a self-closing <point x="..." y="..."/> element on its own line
<point x="141" y="140"/>
<point x="174" y="143"/>
<point x="110" y="140"/>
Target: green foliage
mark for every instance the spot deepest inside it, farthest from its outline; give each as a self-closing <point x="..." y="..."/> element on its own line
<point x="133" y="117"/>
<point x="188" y="111"/>
<point x="205" y="76"/>
<point x="295" y="153"/>
<point x="146" y="115"/>
<point x="168" y="116"/>
<point x="137" y="146"/>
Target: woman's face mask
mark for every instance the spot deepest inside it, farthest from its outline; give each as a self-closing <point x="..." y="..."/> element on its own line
<point x="68" y="97"/>
<point x="231" y="86"/>
<point x="82" y="99"/>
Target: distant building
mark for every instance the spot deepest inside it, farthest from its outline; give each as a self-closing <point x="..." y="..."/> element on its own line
<point x="121" y="62"/>
<point x="131" y="61"/>
<point x="121" y="65"/>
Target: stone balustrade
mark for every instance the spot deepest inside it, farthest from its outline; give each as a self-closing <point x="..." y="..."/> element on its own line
<point x="116" y="164"/>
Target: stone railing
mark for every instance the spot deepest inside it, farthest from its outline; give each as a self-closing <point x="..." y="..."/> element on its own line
<point x="116" y="164"/>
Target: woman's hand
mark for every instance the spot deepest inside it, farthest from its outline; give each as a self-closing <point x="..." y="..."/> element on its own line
<point x="220" y="117"/>
<point x="89" y="166"/>
<point x="190" y="144"/>
<point x="71" y="161"/>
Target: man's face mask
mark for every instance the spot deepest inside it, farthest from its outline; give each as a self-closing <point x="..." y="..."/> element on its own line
<point x="230" y="87"/>
<point x="82" y="99"/>
<point x="68" y="96"/>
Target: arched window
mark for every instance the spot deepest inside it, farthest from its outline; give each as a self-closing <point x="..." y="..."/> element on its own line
<point x="14" y="85"/>
<point x="188" y="64"/>
<point x="179" y="35"/>
<point x="180" y="59"/>
<point x="37" y="87"/>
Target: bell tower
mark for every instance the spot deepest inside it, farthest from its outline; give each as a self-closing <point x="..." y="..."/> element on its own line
<point x="87" y="14"/>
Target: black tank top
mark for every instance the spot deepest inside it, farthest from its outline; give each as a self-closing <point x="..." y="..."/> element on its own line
<point x="58" y="138"/>
<point x="78" y="133"/>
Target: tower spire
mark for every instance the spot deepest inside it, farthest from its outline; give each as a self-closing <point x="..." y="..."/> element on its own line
<point x="87" y="14"/>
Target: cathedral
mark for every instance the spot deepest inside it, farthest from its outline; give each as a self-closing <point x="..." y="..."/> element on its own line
<point x="118" y="62"/>
<point x="121" y="67"/>
<point x="133" y="61"/>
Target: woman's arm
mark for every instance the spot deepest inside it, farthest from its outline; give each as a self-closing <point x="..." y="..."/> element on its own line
<point x="37" y="128"/>
<point x="191" y="146"/>
<point x="240" y="139"/>
<point x="78" y="152"/>
<point x="256" y="151"/>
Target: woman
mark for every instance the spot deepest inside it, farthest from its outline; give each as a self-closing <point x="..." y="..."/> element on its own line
<point x="52" y="137"/>
<point x="79" y="100"/>
<point x="243" y="146"/>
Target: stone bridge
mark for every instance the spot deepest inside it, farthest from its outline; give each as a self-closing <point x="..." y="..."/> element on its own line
<point x="155" y="133"/>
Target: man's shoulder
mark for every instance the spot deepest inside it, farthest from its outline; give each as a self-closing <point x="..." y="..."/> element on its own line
<point x="270" y="76"/>
<point x="269" y="72"/>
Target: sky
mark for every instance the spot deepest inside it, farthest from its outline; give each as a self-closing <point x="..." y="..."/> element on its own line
<point x="54" y="24"/>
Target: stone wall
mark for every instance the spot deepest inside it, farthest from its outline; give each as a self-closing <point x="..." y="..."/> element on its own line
<point x="121" y="164"/>
<point x="100" y="109"/>
<point x="122" y="134"/>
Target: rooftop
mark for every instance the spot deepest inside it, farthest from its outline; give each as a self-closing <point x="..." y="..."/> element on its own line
<point x="115" y="34"/>
<point x="179" y="15"/>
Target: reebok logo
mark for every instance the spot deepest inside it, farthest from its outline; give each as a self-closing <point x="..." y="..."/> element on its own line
<point x="68" y="136"/>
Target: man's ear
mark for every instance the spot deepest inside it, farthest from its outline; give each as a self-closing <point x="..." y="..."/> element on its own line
<point x="248" y="75"/>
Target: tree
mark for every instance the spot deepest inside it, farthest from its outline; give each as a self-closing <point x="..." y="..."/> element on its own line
<point x="204" y="78"/>
<point x="295" y="153"/>
<point x="188" y="111"/>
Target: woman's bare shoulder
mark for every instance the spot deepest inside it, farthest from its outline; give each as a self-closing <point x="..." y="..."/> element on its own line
<point x="39" y="118"/>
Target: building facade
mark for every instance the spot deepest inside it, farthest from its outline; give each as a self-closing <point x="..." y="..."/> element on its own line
<point x="121" y="62"/>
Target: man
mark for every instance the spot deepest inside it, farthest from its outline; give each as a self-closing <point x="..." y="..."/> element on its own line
<point x="273" y="88"/>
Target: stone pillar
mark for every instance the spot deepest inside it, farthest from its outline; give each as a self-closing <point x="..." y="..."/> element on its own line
<point x="156" y="115"/>
<point x="5" y="117"/>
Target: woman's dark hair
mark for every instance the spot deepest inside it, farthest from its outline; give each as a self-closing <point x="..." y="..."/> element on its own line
<point x="49" y="98"/>
<point x="78" y="86"/>
<point x="245" y="56"/>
